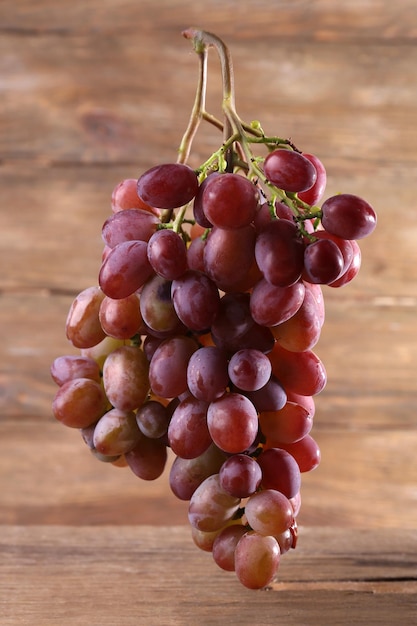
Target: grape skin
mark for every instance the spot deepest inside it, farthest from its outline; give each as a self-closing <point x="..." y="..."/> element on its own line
<point x="116" y="433"/>
<point x="271" y="305"/>
<point x="196" y="300"/>
<point x="188" y="433"/>
<point x="232" y="422"/>
<point x="279" y="252"/>
<point x="207" y="373"/>
<point x="224" y="546"/>
<point x="83" y="328"/>
<point x="168" y="366"/>
<point x="128" y="225"/>
<point x="79" y="403"/>
<point x="286" y="425"/>
<point x="188" y="474"/>
<point x="348" y="216"/>
<point x="65" y="368"/>
<point x="249" y="369"/>
<point x="167" y="186"/>
<point x="125" y="377"/>
<point x="229" y="201"/>
<point x="290" y="170"/>
<point x="125" y="269"/>
<point x="240" y="475"/>
<point x="210" y="506"/>
<point x="257" y="560"/>
<point x="269" y="512"/>
<point x="167" y="254"/>
<point x="315" y="193"/>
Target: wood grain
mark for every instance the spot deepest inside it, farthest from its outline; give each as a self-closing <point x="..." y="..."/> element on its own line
<point x="91" y="93"/>
<point x="69" y="575"/>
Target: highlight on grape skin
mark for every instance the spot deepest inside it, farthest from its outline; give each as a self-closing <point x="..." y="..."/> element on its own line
<point x="196" y="347"/>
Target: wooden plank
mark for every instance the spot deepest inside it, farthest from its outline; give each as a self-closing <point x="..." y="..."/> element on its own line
<point x="102" y="99"/>
<point x="320" y="19"/>
<point x="47" y="476"/>
<point x="132" y="575"/>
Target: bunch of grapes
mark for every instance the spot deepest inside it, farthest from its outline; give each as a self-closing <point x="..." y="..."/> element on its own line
<point x="199" y="335"/>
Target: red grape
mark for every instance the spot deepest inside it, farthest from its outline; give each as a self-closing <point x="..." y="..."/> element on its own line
<point x="230" y="201"/>
<point x="289" y="170"/>
<point x="348" y="216"/>
<point x="167" y="186"/>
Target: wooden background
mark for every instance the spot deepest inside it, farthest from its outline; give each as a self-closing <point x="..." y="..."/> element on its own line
<point x="94" y="92"/>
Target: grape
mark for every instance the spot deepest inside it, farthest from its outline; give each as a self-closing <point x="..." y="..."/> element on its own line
<point x="352" y="269"/>
<point x="125" y="269"/>
<point x="168" y="366"/>
<point x="270" y="397"/>
<point x="285" y="541"/>
<point x="224" y="546"/>
<point x="289" y="170"/>
<point x="348" y="216"/>
<point x="79" y="403"/>
<point x="323" y="262"/>
<point x="203" y="540"/>
<point x="306" y="402"/>
<point x="249" y="369"/>
<point x="65" y="368"/>
<point x="286" y="425"/>
<point x="188" y="434"/>
<point x="210" y="506"/>
<point x="83" y="328"/>
<point x="125" y="196"/>
<point x="317" y="292"/>
<point x="280" y="471"/>
<point x="269" y="512"/>
<point x="156" y="306"/>
<point x="101" y="351"/>
<point x="233" y="318"/>
<point x="300" y="372"/>
<point x="301" y="331"/>
<point x="271" y="305"/>
<point x="198" y="211"/>
<point x="195" y="254"/>
<point x="257" y="338"/>
<point x="125" y="377"/>
<point x="120" y="318"/>
<point x="315" y="193"/>
<point x="345" y="246"/>
<point x="279" y="253"/>
<point x="148" y="458"/>
<point x="256" y="560"/>
<point x="207" y="375"/>
<point x="296" y="506"/>
<point x="305" y="451"/>
<point x="230" y="201"/>
<point x="240" y="475"/>
<point x="150" y="344"/>
<point x="116" y="432"/>
<point x="167" y="186"/>
<point x="187" y="474"/>
<point x="232" y="422"/>
<point x="228" y="255"/>
<point x="153" y="419"/>
<point x="167" y="254"/>
<point x="196" y="300"/>
<point x="129" y="225"/>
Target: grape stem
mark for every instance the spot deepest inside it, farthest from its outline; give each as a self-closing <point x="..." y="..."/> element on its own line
<point x="238" y="136"/>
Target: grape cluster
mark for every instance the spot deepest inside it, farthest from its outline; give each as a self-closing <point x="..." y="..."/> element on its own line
<point x="199" y="338"/>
